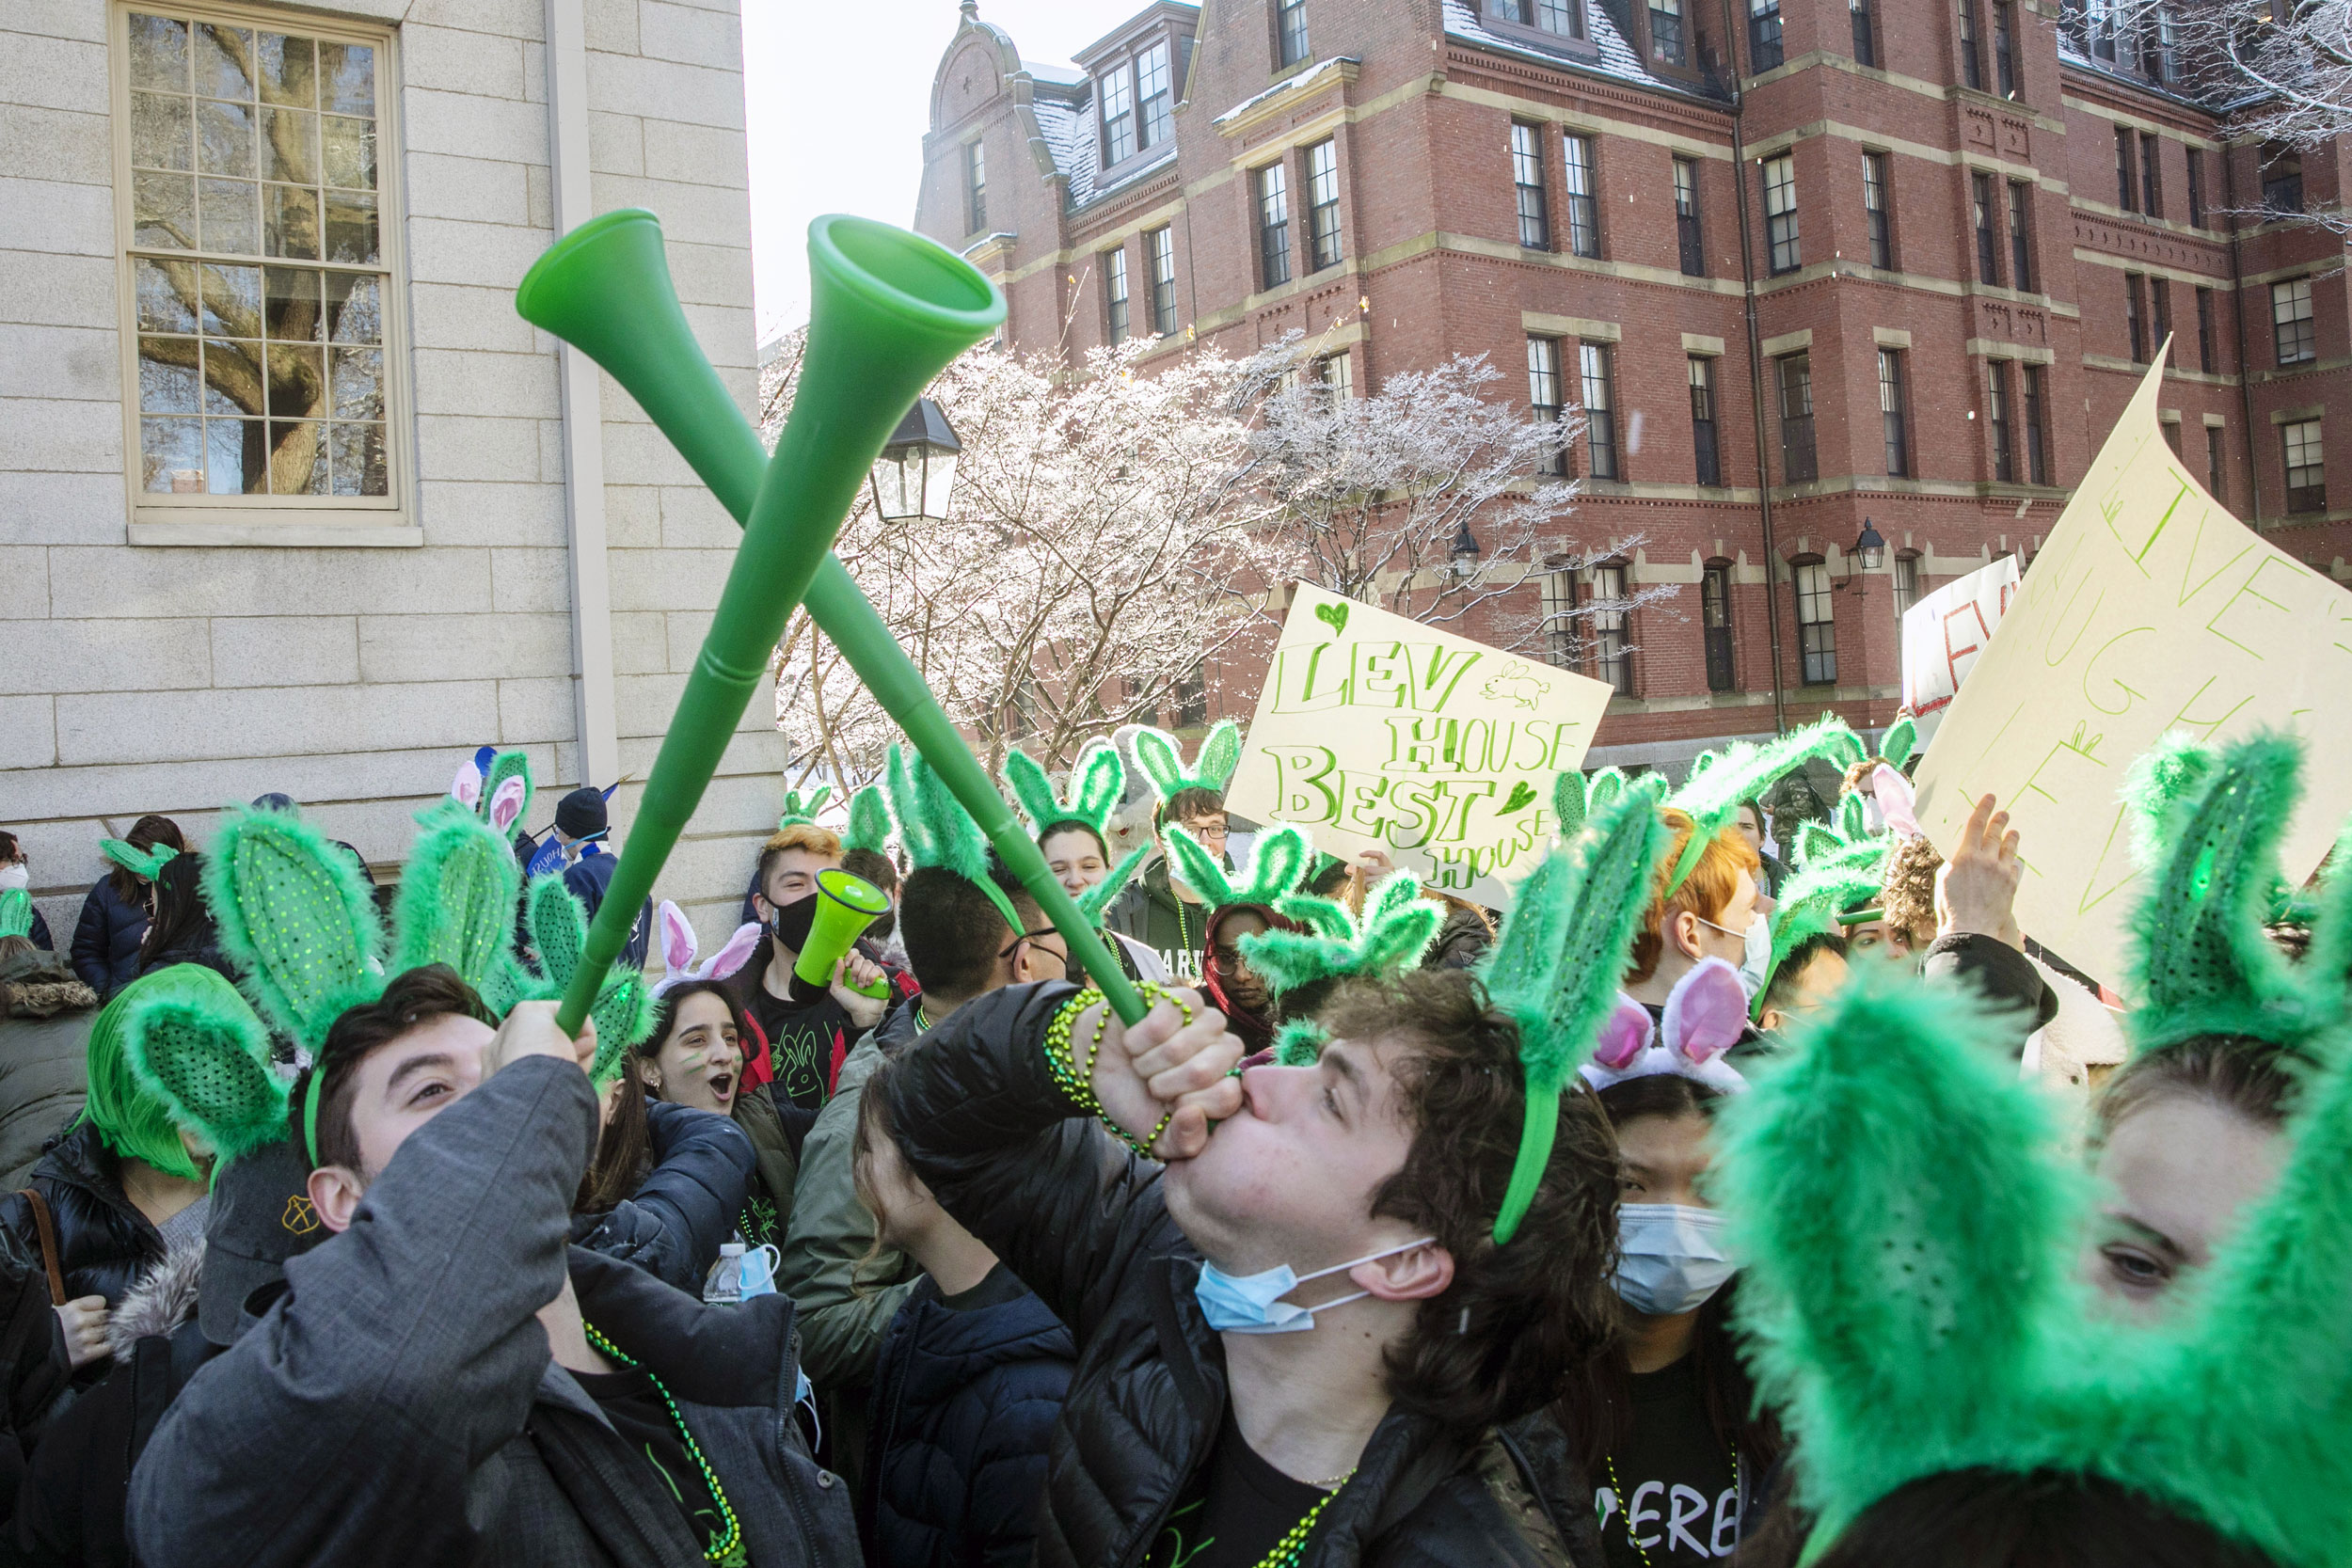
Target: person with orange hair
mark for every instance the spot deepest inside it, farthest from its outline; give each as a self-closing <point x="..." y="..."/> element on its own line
<point x="807" y="1032"/>
<point x="1708" y="916"/>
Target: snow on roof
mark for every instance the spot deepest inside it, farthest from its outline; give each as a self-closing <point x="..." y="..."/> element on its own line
<point x="1301" y="79"/>
<point x="1617" y="57"/>
<point x="1069" y="130"/>
<point x="1050" y="70"/>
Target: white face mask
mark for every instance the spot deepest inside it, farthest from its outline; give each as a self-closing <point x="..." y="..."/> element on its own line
<point x="1756" y="951"/>
<point x="14" y="877"/>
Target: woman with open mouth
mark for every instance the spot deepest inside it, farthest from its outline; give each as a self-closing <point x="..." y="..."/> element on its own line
<point x="694" y="1057"/>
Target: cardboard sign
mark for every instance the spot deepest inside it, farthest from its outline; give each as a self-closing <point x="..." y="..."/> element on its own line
<point x="1377" y="732"/>
<point x="1945" y="633"/>
<point x="2148" y="610"/>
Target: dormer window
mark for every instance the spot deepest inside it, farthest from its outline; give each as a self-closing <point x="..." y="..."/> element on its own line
<point x="1565" y="18"/>
<point x="1138" y="105"/>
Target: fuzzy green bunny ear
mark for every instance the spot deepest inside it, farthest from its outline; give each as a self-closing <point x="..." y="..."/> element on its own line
<point x="937" y="832"/>
<point x="1220" y="754"/>
<point x="1909" y="1232"/>
<point x="1197" y="869"/>
<point x="295" y="918"/>
<point x="1809" y="904"/>
<point x="1605" y="786"/>
<point x="1095" y="900"/>
<point x="1559" y="978"/>
<point x="16" y="913"/>
<point x="197" y="1045"/>
<point x="1844" y="748"/>
<point x="2202" y="963"/>
<point x="624" y="1015"/>
<point x="506" y="793"/>
<point x="559" y="928"/>
<point x="1712" y="794"/>
<point x="1568" y="801"/>
<point x="1300" y="1042"/>
<point x="139" y="863"/>
<point x="1032" y="790"/>
<point x="1162" y="761"/>
<point x="1817" y="842"/>
<point x="1396" y="929"/>
<point x="869" y="821"/>
<point x="456" y="904"/>
<point x="2326" y="906"/>
<point x="1098" y="782"/>
<point x="799" y="808"/>
<point x="1853" y="817"/>
<point x="1895" y="745"/>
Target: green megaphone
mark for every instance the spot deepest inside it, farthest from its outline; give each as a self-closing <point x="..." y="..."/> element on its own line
<point x="846" y="905"/>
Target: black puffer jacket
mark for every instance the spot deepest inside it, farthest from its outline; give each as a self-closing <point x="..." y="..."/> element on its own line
<point x="965" y="1398"/>
<point x="685" y="1210"/>
<point x="1084" y="1225"/>
<point x="103" y="1243"/>
<point x="106" y="940"/>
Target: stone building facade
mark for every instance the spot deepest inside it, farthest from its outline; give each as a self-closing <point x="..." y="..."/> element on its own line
<point x="290" y="498"/>
<point x="1824" y="261"/>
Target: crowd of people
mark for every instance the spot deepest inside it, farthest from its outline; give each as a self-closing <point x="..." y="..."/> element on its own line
<point x="1753" y="1191"/>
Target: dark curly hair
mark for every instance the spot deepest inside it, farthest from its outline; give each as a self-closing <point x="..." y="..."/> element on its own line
<point x="1497" y="1343"/>
<point x="1907" y="891"/>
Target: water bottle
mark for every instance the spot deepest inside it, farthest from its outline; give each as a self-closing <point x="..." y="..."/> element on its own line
<point x="725" y="1284"/>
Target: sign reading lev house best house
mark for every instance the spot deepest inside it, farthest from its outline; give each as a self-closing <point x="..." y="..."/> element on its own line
<point x="1376" y="731"/>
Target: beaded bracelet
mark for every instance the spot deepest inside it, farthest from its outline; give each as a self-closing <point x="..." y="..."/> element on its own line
<point x="1077" y="1081"/>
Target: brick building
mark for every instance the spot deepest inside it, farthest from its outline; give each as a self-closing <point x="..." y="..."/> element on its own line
<point x="1827" y="292"/>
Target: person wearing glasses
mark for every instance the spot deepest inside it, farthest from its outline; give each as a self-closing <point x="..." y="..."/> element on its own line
<point x="1174" y="921"/>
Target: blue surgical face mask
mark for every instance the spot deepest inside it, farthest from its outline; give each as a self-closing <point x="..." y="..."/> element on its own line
<point x="1253" y="1304"/>
<point x="1671" y="1257"/>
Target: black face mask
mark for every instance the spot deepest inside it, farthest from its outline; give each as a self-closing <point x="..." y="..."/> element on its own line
<point x="792" y="923"/>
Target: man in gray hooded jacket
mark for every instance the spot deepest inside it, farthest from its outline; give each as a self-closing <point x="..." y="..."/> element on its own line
<point x="443" y="1381"/>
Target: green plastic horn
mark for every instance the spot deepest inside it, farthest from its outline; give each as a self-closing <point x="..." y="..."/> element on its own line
<point x="889" y="309"/>
<point x="623" y="313"/>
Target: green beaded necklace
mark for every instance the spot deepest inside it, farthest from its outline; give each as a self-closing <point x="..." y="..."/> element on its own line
<point x="1292" y="1546"/>
<point x="729" y="1552"/>
<point x="1617" y="1486"/>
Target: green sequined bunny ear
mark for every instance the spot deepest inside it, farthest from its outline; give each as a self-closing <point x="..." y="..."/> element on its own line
<point x="1604" y="786"/>
<point x="1220" y="754"/>
<point x="1095" y="900"/>
<point x="799" y="808"/>
<point x="869" y="821"/>
<point x="1720" y="782"/>
<point x="1907" y="1300"/>
<point x="1808" y="904"/>
<point x="937" y="832"/>
<point x="142" y="863"/>
<point x="456" y="902"/>
<point x="1896" y="746"/>
<point x="295" y="920"/>
<point x="622" y="1010"/>
<point x="1278" y="862"/>
<point x="1162" y="760"/>
<point x="2211" y="825"/>
<point x="197" y="1045"/>
<point x="1571" y="800"/>
<point x="1561" y="958"/>
<point x="16" y="913"/>
<point x="1396" y="929"/>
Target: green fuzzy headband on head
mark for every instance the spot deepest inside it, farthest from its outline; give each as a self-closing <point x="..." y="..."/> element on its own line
<point x="937" y="832"/>
<point x="1097" y="783"/>
<point x="1279" y="859"/>
<point x="1396" y="929"/>
<point x="1808" y="904"/>
<point x="142" y="863"/>
<point x="1720" y="782"/>
<point x="1162" y="760"/>
<point x="1557" y="966"/>
<point x="803" y="808"/>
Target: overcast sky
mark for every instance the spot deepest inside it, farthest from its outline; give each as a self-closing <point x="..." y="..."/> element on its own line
<point x="837" y="97"/>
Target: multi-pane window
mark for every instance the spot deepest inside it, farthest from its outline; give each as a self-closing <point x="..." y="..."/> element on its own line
<point x="1891" y="412"/>
<point x="1793" y="375"/>
<point x="1906" y="581"/>
<point x="259" y="290"/>
<point x="1154" y="93"/>
<point x="2005" y="47"/>
<point x="2037" y="425"/>
<point x="2151" y="174"/>
<point x="2307" y="470"/>
<point x="1274" y="226"/>
<point x="975" y="188"/>
<point x="1988" y="237"/>
<point x="1336" y="375"/>
<point x="1817" y="622"/>
<point x="1703" y="442"/>
<point x="1878" y="205"/>
<point x="1543" y="393"/>
<point x="1764" y="49"/>
<point x="2101" y="27"/>
<point x="1564" y="17"/>
<point x="2126" y="184"/>
<point x="2282" y="179"/>
<point x="1611" y="628"/>
<point x="2173" y="436"/>
<point x="1115" y="294"/>
<point x="2160" y="315"/>
<point x="1666" y="44"/>
<point x="2290" y="321"/>
<point x="1997" y="420"/>
<point x="1971" y="46"/>
<point x="1558" y="589"/>
<point x="1290" y="30"/>
<point x="2204" y="330"/>
<point x="1865" y="51"/>
<point x="2161" y="46"/>
<point x="1601" y="406"/>
<point x="2216" y="448"/>
<point x="1780" y="213"/>
<point x="1688" y="235"/>
<point x="1715" y="623"/>
<point x="2021" y="236"/>
<point x="1323" y="206"/>
<point x="2196" y="187"/>
<point x="1526" y="183"/>
<point x="2135" y="315"/>
<point x="1159" y="249"/>
<point x="1584" y="215"/>
<point x="1119" y="114"/>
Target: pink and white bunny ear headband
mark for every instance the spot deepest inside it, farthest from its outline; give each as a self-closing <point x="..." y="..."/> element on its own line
<point x="1896" y="801"/>
<point x="506" y="802"/>
<point x="678" y="950"/>
<point x="1707" y="1014"/>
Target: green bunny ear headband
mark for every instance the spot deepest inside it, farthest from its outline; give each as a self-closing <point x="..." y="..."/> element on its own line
<point x="937" y="832"/>
<point x="1097" y="782"/>
<point x="294" y="919"/>
<point x="1096" y="899"/>
<point x="622" y="1010"/>
<point x="1810" y="903"/>
<point x="799" y="808"/>
<point x="1913" y="1228"/>
<point x="195" y="1045"/>
<point x="142" y="863"/>
<point x="1396" y="929"/>
<point x="456" y="901"/>
<point x="16" y="913"/>
<point x="1557" y="966"/>
<point x="1278" y="860"/>
<point x="1162" y="760"/>
<point x="1718" y="781"/>
<point x="869" y="821"/>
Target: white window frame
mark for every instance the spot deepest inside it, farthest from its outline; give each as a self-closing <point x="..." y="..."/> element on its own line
<point x="293" y="521"/>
